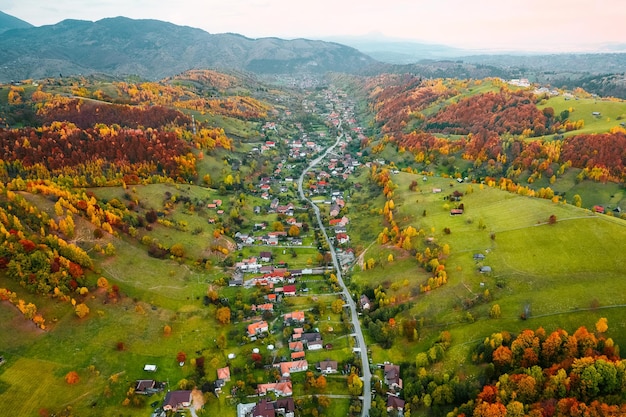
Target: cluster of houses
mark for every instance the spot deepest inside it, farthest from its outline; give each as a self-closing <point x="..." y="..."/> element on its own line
<point x="391" y="378"/>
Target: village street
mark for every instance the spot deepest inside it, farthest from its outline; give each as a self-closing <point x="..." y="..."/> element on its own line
<point x="360" y="347"/>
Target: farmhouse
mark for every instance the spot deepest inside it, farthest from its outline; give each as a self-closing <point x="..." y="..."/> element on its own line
<point x="224" y="374"/>
<point x="177" y="400"/>
<point x="296" y="346"/>
<point x="283" y="388"/>
<point x="146" y="387"/>
<point x="392" y="376"/>
<point x="289" y="290"/>
<point x="286" y="368"/>
<point x="395" y="403"/>
<point x="364" y="302"/>
<point x="327" y="367"/>
<point x="293" y="318"/>
<point x="297" y="355"/>
<point x="264" y="408"/>
<point x="257" y="328"/>
<point x="313" y="341"/>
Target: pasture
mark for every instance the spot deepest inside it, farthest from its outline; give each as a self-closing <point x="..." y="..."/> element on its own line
<point x="565" y="274"/>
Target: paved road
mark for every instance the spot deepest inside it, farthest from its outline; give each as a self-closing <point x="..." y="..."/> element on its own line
<point x="360" y="341"/>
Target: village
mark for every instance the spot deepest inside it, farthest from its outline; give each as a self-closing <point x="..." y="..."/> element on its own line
<point x="294" y="318"/>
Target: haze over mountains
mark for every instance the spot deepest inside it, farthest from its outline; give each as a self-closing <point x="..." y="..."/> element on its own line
<point x="155" y="49"/>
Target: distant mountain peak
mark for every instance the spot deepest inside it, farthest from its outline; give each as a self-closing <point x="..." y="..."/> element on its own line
<point x="8" y="22"/>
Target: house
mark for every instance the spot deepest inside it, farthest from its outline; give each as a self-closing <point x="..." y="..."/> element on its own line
<point x="598" y="209"/>
<point x="145" y="386"/>
<point x="263" y="408"/>
<point x="395" y="403"/>
<point x="364" y="301"/>
<point x="177" y="400"/>
<point x="485" y="269"/>
<point x="296" y="346"/>
<point x="327" y="367"/>
<point x="342" y="238"/>
<point x="262" y="307"/>
<point x="281" y="407"/>
<point x="297" y="355"/>
<point x="257" y="209"/>
<point x="456" y="212"/>
<point x="289" y="290"/>
<point x="479" y="257"/>
<point x="285" y="407"/>
<point x="236" y="280"/>
<point x="257" y="328"/>
<point x="283" y="388"/>
<point x="266" y="256"/>
<point x="150" y="368"/>
<point x="313" y="341"/>
<point x="295" y="317"/>
<point x="392" y="376"/>
<point x="286" y="368"/>
<point x="223" y="373"/>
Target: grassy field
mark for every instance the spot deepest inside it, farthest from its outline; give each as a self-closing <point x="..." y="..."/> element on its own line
<point x="155" y="293"/>
<point x="569" y="273"/>
<point x="584" y="108"/>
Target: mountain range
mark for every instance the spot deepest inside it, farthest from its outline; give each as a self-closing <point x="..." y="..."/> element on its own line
<point x="155" y="49"/>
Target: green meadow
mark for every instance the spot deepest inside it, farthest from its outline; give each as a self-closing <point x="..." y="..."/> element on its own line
<point x="566" y="274"/>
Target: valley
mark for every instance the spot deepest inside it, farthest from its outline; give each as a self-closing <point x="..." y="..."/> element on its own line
<point x="339" y="245"/>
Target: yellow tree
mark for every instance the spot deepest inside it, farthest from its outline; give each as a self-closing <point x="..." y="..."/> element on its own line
<point x="355" y="385"/>
<point x="294" y="231"/>
<point x="81" y="310"/>
<point x="602" y="325"/>
<point x="223" y="315"/>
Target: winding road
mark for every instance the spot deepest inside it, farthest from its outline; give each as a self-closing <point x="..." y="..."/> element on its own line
<point x="358" y="332"/>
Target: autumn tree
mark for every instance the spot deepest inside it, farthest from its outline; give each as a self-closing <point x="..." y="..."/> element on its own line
<point x="181" y="357"/>
<point x="223" y="315"/>
<point x="337" y="306"/>
<point x="602" y="325"/>
<point x="355" y="384"/>
<point x="72" y="377"/>
<point x="178" y="250"/>
<point x="167" y="330"/>
<point x="103" y="283"/>
<point x="294" y="231"/>
<point x="81" y="310"/>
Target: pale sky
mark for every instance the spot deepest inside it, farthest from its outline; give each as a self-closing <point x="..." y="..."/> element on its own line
<point x="536" y="25"/>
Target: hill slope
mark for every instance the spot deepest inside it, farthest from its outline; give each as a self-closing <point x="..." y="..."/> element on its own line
<point x="8" y="22"/>
<point x="156" y="49"/>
